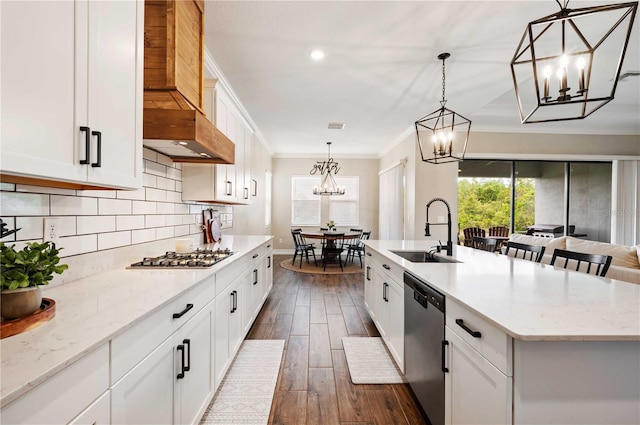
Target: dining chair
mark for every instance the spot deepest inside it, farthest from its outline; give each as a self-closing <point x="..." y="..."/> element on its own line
<point x="602" y="262"/>
<point x="470" y="233"/>
<point x="302" y="247"/>
<point x="485" y="244"/>
<point x="535" y="252"/>
<point x="498" y="231"/>
<point x="333" y="248"/>
<point x="358" y="247"/>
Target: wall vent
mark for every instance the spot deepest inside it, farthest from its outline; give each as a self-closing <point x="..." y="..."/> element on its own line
<point x="336" y="125"/>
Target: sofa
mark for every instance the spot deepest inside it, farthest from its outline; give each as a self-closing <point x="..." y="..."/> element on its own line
<point x="625" y="264"/>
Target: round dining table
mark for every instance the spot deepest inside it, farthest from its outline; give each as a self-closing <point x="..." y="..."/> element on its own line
<point x="323" y="236"/>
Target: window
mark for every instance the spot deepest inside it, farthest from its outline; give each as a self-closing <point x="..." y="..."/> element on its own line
<point x="345" y="209"/>
<point x="305" y="206"/>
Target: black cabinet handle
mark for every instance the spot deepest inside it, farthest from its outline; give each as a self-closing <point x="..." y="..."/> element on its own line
<point x="444" y="368"/>
<point x="386" y="267"/>
<point x="229" y="190"/>
<point x="470" y="331"/>
<point x="187" y="343"/>
<point x="384" y="292"/>
<point x="232" y="303"/>
<point x="269" y="246"/>
<point x="183" y="312"/>
<point x="181" y="349"/>
<point x="87" y="144"/>
<point x="255" y="276"/>
<point x="255" y="256"/>
<point x="367" y="253"/>
<point x="98" y="163"/>
<point x="246" y="193"/>
<point x="269" y="262"/>
<point x="367" y="273"/>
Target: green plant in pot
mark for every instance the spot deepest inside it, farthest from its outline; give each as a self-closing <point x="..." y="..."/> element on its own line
<point x="23" y="272"/>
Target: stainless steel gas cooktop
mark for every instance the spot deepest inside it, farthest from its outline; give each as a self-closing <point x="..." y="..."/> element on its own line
<point x="200" y="258"/>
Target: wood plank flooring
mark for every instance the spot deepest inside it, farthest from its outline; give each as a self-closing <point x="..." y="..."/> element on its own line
<point x="312" y="313"/>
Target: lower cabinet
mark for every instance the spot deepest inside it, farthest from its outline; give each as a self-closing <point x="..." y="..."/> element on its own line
<point x="228" y="328"/>
<point x="99" y="413"/>
<point x="174" y="383"/>
<point x="476" y="392"/>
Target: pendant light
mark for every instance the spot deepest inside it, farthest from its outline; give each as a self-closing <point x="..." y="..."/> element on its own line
<point x="328" y="186"/>
<point x="443" y="134"/>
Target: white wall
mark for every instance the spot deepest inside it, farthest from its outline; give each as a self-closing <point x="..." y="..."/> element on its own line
<point x="284" y="168"/>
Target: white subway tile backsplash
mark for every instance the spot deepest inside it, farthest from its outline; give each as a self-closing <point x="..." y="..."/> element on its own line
<point x="149" y="154"/>
<point x="195" y="228"/>
<point x="154" y="221"/>
<point x="73" y="205"/>
<point x="129" y="222"/>
<point x="30" y="227"/>
<point x="173" y="220"/>
<point x="174" y="196"/>
<point x="30" y="204"/>
<point x="165" y="208"/>
<point x="156" y="194"/>
<point x="155" y="168"/>
<point x="196" y="209"/>
<point x="9" y="187"/>
<point x="114" y="206"/>
<point x="67" y="225"/>
<point x="165" y="232"/>
<point x="149" y="180"/>
<point x="96" y="224"/>
<point x="74" y="245"/>
<point x="190" y="219"/>
<point x="114" y="240"/>
<point x="179" y="186"/>
<point x="41" y="189"/>
<point x="144" y="235"/>
<point x="181" y="209"/>
<point x="98" y="193"/>
<point x="11" y="224"/>
<point x="166" y="184"/>
<point x="174" y="174"/>
<point x="144" y="207"/>
<point x="132" y="194"/>
<point x="181" y="230"/>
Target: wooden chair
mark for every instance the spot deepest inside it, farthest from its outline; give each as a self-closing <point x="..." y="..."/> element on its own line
<point x="485" y="244"/>
<point x="602" y="261"/>
<point x="469" y="234"/>
<point x="499" y="231"/>
<point x="358" y="247"/>
<point x="333" y="248"/>
<point x="302" y="247"/>
<point x="535" y="252"/>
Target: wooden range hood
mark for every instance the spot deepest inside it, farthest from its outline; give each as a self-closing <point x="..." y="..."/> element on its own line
<point x="174" y="122"/>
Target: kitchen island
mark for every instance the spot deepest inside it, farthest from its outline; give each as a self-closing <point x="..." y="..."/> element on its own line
<point x="550" y="345"/>
<point x="108" y="323"/>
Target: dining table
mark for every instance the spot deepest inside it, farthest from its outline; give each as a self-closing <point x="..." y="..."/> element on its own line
<point x="329" y="241"/>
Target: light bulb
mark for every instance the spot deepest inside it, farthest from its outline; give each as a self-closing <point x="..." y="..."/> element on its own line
<point x="450" y="135"/>
<point x="580" y="64"/>
<point x="547" y="71"/>
<point x="564" y="61"/>
<point x="560" y="73"/>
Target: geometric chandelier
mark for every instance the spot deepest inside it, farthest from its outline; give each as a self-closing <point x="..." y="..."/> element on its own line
<point x="443" y="134"/>
<point x="567" y="65"/>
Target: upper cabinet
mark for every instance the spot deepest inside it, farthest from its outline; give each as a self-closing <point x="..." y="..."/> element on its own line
<point x="229" y="183"/>
<point x="71" y="100"/>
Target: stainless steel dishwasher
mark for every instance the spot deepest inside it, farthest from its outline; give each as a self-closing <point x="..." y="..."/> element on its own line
<point x="424" y="310"/>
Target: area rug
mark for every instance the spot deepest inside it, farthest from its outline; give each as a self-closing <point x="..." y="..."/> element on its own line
<point x="369" y="361"/>
<point x="246" y="393"/>
<point x="333" y="268"/>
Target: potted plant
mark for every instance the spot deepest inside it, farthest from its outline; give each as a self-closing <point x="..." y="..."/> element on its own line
<point x="331" y="225"/>
<point x="22" y="274"/>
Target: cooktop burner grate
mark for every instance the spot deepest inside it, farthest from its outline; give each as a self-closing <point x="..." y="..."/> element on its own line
<point x="200" y="258"/>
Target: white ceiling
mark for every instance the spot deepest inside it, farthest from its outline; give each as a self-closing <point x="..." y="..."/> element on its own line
<point x="381" y="71"/>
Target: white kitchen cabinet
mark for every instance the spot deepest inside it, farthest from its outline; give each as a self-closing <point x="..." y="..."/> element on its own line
<point x="173" y="384"/>
<point x="228" y="325"/>
<point x="476" y="392"/>
<point x="384" y="297"/>
<point x="71" y="100"/>
<point x="98" y="413"/>
<point x="225" y="185"/>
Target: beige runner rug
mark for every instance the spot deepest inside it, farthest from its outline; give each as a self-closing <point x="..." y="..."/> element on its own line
<point x="369" y="361"/>
<point x="246" y="393"/>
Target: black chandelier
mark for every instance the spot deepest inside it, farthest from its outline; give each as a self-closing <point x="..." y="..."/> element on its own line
<point x="443" y="134"/>
<point x="560" y="69"/>
<point x="328" y="186"/>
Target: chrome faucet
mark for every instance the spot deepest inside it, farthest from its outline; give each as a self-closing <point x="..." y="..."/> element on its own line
<point x="449" y="245"/>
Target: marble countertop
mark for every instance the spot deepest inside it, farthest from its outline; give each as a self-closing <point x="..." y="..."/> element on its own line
<point x="90" y="311"/>
<point x="527" y="300"/>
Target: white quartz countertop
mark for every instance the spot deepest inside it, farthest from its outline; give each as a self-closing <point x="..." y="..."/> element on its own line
<point x="91" y="311"/>
<point x="527" y="300"/>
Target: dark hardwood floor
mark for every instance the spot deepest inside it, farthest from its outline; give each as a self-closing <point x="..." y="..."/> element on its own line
<point x="312" y="313"/>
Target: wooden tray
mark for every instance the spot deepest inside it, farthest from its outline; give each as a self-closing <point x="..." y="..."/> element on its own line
<point x="16" y="326"/>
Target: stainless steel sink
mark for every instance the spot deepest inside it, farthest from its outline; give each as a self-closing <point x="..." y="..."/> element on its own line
<point x="424" y="257"/>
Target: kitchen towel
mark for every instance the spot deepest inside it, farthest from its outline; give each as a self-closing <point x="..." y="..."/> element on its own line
<point x="246" y="393"/>
<point x="369" y="361"/>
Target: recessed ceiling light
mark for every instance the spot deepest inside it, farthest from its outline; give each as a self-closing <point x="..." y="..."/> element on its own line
<point x="317" y="54"/>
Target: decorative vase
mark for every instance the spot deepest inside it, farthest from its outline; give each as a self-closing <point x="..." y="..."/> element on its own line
<point x="21" y="302"/>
